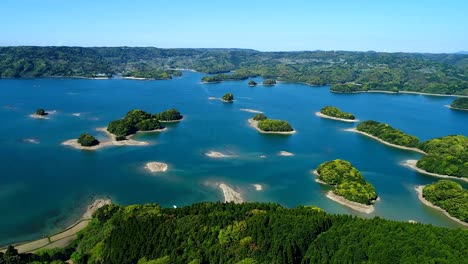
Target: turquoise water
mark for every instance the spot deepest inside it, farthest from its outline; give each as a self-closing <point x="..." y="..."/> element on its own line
<point x="45" y="187"/>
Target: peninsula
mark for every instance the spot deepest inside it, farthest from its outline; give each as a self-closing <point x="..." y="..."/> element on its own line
<point x="350" y="188"/>
<point x="270" y="126"/>
<point x="335" y="113"/>
<point x="460" y="104"/>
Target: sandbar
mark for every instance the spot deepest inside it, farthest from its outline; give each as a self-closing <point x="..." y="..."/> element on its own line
<point x="230" y="195"/>
<point x="251" y="111"/>
<point x="39" y="116"/>
<point x="156" y="166"/>
<point x="110" y="142"/>
<point x="384" y="142"/>
<point x="419" y="190"/>
<point x="285" y="153"/>
<point x="335" y="118"/>
<point x="258" y="187"/>
<point x="215" y="154"/>
<point x="412" y="164"/>
<point x="364" y="208"/>
<point x="254" y="124"/>
<point x="76" y="114"/>
<point x="31" y="140"/>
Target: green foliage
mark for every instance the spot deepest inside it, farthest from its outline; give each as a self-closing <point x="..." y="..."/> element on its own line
<point x="168" y="115"/>
<point x="347" y="180"/>
<point x="148" y="125"/>
<point x="41" y="112"/>
<point x="259" y="117"/>
<point x="348" y="88"/>
<point x="229" y="97"/>
<point x="121" y="128"/>
<point x="147" y="72"/>
<point x="273" y="125"/>
<point x="335" y="112"/>
<point x="269" y="82"/>
<point x="87" y="140"/>
<point x="446" y="155"/>
<point x="252" y="83"/>
<point x="460" y="103"/>
<point x="387" y="133"/>
<point x="450" y="196"/>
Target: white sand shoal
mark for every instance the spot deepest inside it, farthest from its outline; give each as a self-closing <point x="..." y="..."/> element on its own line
<point x="31" y="140"/>
<point x="419" y="190"/>
<point x="285" y="153"/>
<point x="353" y="205"/>
<point x="384" y="142"/>
<point x="318" y="180"/>
<point x="215" y="154"/>
<point x="258" y="187"/>
<point x="76" y="114"/>
<point x="335" y="118"/>
<point x="251" y="111"/>
<point x="254" y="124"/>
<point x="135" y="78"/>
<point x="110" y="142"/>
<point x="412" y="164"/>
<point x="230" y="195"/>
<point x="213" y="98"/>
<point x="263" y="156"/>
<point x="94" y="206"/>
<point x="39" y="116"/>
<point x="156" y="166"/>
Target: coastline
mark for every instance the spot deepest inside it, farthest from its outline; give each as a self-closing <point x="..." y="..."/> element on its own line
<point x="135" y="78"/>
<point x="363" y="208"/>
<point x="64" y="237"/>
<point x="171" y="121"/>
<point x="230" y="195"/>
<point x="336" y="118"/>
<point x="385" y="142"/>
<point x="412" y="164"/>
<point x="254" y="124"/>
<point x="319" y="180"/>
<point x="419" y="191"/>
<point x="402" y="92"/>
<point x="455" y="108"/>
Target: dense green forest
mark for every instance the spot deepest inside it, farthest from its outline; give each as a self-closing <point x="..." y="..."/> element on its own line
<point x="450" y="196"/>
<point x="41" y="112"/>
<point x="274" y="125"/>
<point x="430" y="73"/>
<point x="229" y="97"/>
<point x="336" y="112"/>
<point x="347" y="180"/>
<point x="446" y="155"/>
<point x="254" y="233"/>
<point x="252" y="83"/>
<point x="269" y="82"/>
<point x="139" y="120"/>
<point x="387" y="133"/>
<point x="87" y="140"/>
<point x="460" y="103"/>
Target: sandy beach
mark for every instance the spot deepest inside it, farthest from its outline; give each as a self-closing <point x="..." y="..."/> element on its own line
<point x="285" y="153"/>
<point x="215" y="154"/>
<point x="335" y="118"/>
<point x="419" y="190"/>
<point x="110" y="142"/>
<point x="135" y="78"/>
<point x="39" y="116"/>
<point x="65" y="237"/>
<point x="251" y="111"/>
<point x="412" y="164"/>
<point x="258" y="187"/>
<point x="254" y="124"/>
<point x="385" y="142"/>
<point x="353" y="205"/>
<point x="319" y="180"/>
<point x="230" y="195"/>
<point x="156" y="166"/>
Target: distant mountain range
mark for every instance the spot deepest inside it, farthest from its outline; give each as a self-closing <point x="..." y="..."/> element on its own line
<point x="461" y="52"/>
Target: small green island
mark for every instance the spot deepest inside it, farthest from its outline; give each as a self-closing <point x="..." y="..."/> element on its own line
<point x="227" y="98"/>
<point x="332" y="112"/>
<point x="252" y="83"/>
<point x="86" y="140"/>
<point x="460" y="104"/>
<point x="41" y="112"/>
<point x="387" y="134"/>
<point x="269" y="82"/>
<point x="447" y="196"/>
<point x="273" y="126"/>
<point x="348" y="184"/>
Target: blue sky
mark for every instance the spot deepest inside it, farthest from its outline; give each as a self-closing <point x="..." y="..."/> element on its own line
<point x="397" y="25"/>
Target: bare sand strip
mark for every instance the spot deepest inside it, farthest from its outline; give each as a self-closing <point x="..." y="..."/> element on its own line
<point x="230" y="195"/>
<point x="319" y="180"/>
<point x="384" y="142"/>
<point x="251" y="111"/>
<point x="39" y="116"/>
<point x="112" y="141"/>
<point x="419" y="190"/>
<point x="156" y="166"/>
<point x="65" y="237"/>
<point x="336" y="118"/>
<point x="285" y="153"/>
<point x="254" y="124"/>
<point x="135" y="78"/>
<point x="215" y="154"/>
<point x="412" y="164"/>
<point x="353" y="205"/>
<point x="258" y="187"/>
<point x="31" y="141"/>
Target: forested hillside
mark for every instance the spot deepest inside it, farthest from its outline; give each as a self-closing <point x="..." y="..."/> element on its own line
<point x="431" y="73"/>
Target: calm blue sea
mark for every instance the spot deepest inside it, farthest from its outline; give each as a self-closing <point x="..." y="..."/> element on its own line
<point x="45" y="187"/>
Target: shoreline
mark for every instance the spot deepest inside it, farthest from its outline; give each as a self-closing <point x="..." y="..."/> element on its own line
<point x="254" y="124"/>
<point x="402" y="92"/>
<point x="65" y="237"/>
<point x="412" y="165"/>
<point x="230" y="195"/>
<point x="317" y="180"/>
<point x="419" y="191"/>
<point x="111" y="140"/>
<point x="336" y="118"/>
<point x="385" y="142"/>
<point x="455" y="108"/>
